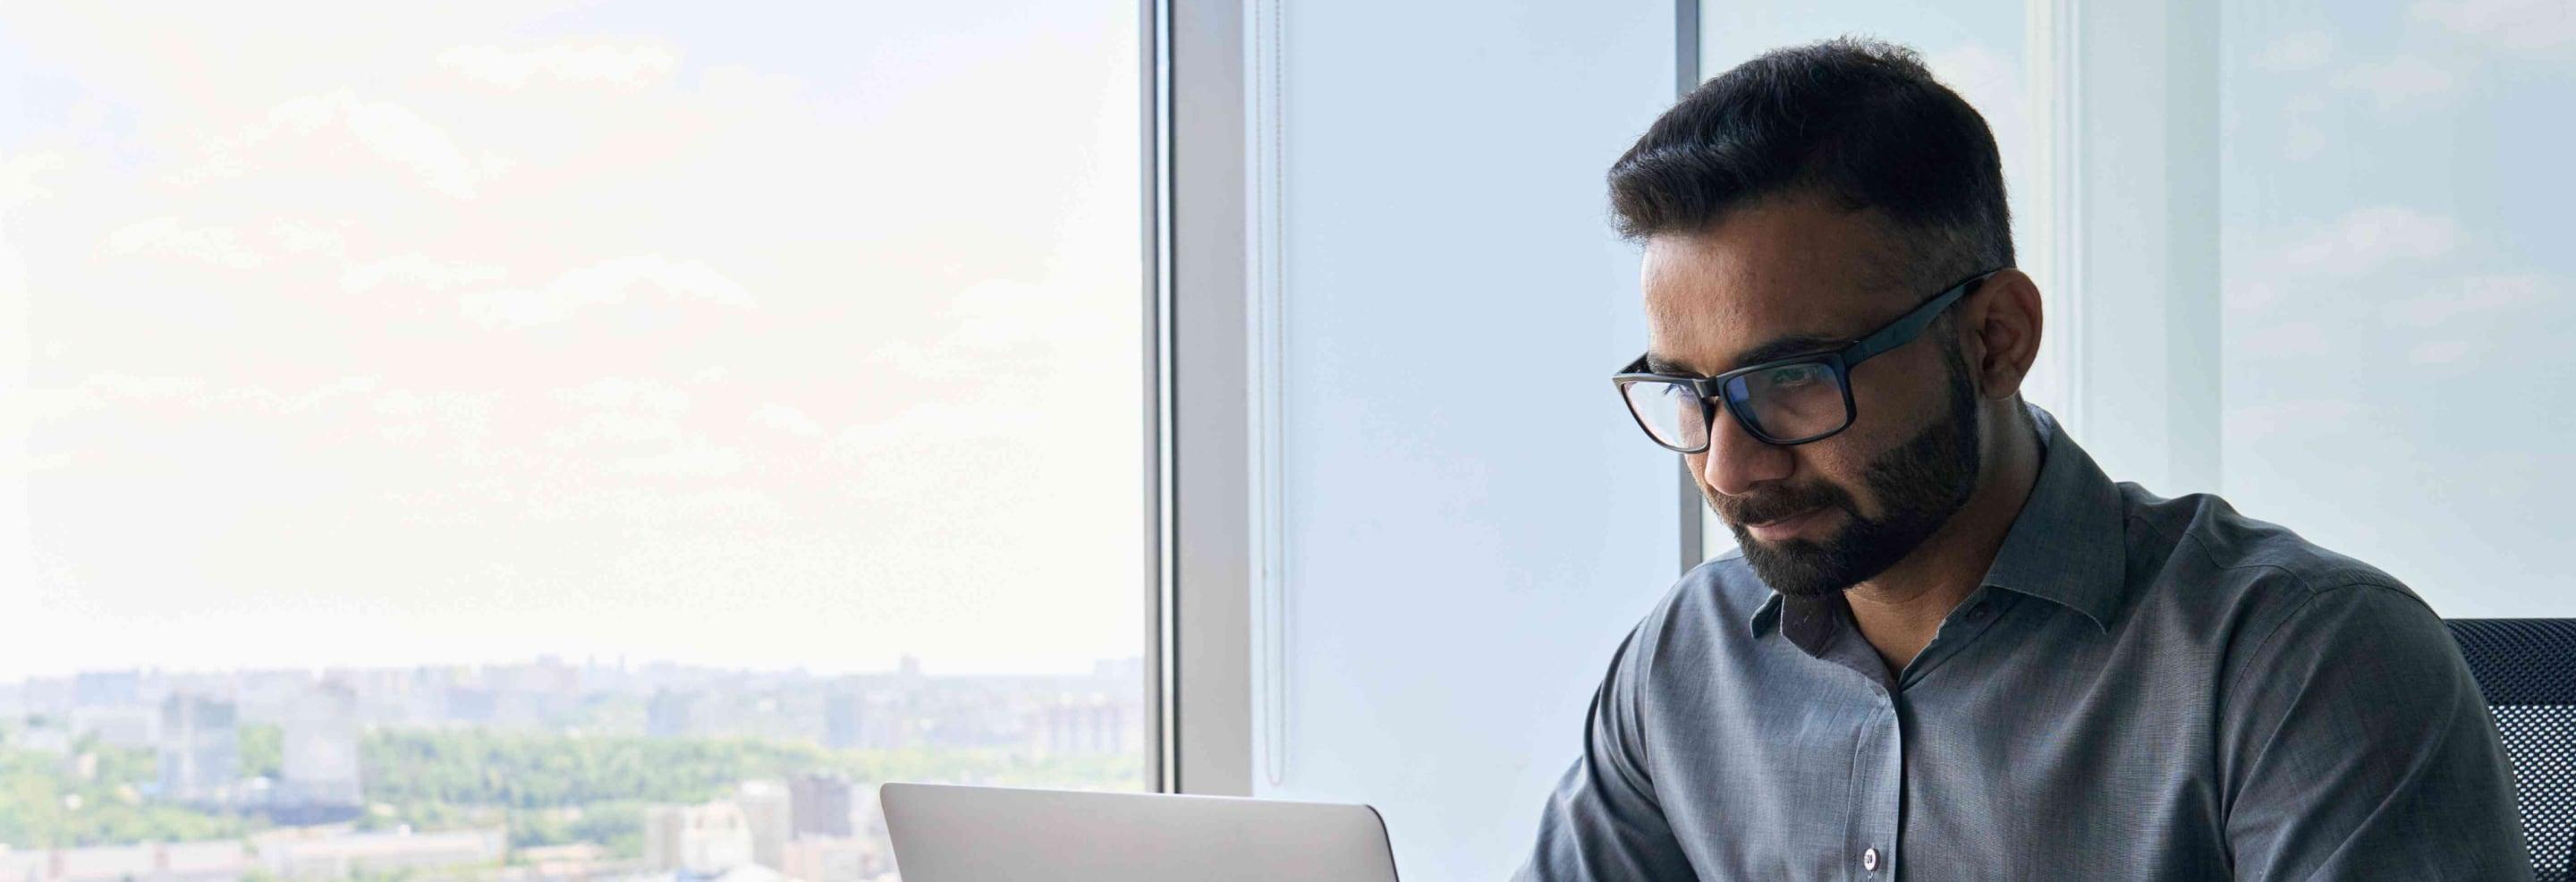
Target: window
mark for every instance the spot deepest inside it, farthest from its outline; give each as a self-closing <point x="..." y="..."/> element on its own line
<point x="2394" y="376"/>
<point x="2296" y="254"/>
<point x="561" y="441"/>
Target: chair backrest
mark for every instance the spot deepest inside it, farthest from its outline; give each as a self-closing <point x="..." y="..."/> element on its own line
<point x="2527" y="668"/>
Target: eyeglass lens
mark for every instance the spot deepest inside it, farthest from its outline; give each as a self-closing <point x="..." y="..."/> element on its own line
<point x="1785" y="403"/>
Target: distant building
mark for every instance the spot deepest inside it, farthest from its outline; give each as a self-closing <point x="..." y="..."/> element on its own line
<point x="209" y="861"/>
<point x="131" y="726"/>
<point x="855" y="720"/>
<point x="1086" y="727"/>
<point x="841" y="719"/>
<point x="741" y="873"/>
<point x="270" y="696"/>
<point x="470" y="704"/>
<point x="338" y="853"/>
<point x="769" y="812"/>
<point x="42" y="734"/>
<point x="669" y="715"/>
<point x="107" y="688"/>
<point x="837" y="859"/>
<point x="698" y="840"/>
<point x="200" y="749"/>
<point x="1129" y="670"/>
<point x="319" y="779"/>
<point x="386" y="696"/>
<point x="820" y="805"/>
<point x="576" y="862"/>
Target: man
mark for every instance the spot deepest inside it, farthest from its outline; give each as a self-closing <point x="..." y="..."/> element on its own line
<point x="1950" y="648"/>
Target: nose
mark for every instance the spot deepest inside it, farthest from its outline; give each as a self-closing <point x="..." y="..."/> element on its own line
<point x="1735" y="460"/>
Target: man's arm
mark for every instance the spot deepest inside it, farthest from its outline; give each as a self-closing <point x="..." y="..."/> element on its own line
<point x="2355" y="745"/>
<point x="1603" y="822"/>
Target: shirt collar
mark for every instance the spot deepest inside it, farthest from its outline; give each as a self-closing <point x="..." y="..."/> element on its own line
<point x="2066" y="546"/>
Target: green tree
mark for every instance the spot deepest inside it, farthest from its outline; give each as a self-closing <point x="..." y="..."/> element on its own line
<point x="263" y="752"/>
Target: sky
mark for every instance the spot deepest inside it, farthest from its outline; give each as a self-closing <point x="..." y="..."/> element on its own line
<point x="376" y="336"/>
<point x="808" y="337"/>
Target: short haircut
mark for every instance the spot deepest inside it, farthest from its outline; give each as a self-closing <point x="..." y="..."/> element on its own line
<point x="1860" y="122"/>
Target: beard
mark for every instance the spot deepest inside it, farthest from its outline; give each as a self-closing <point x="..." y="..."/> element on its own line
<point x="1921" y="484"/>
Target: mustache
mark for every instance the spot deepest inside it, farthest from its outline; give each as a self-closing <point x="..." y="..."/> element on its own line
<point x="1780" y="503"/>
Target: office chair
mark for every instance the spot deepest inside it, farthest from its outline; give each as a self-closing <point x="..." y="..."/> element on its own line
<point x="2527" y="669"/>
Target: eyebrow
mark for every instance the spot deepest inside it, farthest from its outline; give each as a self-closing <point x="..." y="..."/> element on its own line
<point x="1776" y="349"/>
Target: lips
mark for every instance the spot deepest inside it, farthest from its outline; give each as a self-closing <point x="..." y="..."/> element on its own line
<point x="1783" y="527"/>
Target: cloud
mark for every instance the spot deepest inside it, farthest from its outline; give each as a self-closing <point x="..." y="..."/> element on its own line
<point x="21" y="176"/>
<point x="2303" y="416"/>
<point x="272" y="401"/>
<point x="409" y="415"/>
<point x="389" y="131"/>
<point x="2476" y="295"/>
<point x="606" y="283"/>
<point x="2434" y="352"/>
<point x="2366" y="239"/>
<point x="620" y="411"/>
<point x="622" y="393"/>
<point x="787" y="419"/>
<point x="417" y="271"/>
<point x="119" y="391"/>
<point x="689" y="461"/>
<point x="299" y="237"/>
<point x="2521" y="25"/>
<point x="637" y="427"/>
<point x="219" y="245"/>
<point x="2296" y="339"/>
<point x="2401" y="82"/>
<point x="627" y="66"/>
<point x="164" y="236"/>
<point x="2305" y="50"/>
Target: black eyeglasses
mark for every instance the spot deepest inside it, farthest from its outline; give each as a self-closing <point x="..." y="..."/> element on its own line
<point x="1792" y="400"/>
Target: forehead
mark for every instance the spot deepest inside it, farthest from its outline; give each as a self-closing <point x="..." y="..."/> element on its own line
<point x="1778" y="273"/>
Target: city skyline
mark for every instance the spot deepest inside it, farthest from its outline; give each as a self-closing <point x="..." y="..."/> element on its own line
<point x="542" y="771"/>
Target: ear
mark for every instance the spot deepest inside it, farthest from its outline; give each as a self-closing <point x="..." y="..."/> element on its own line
<point x="1999" y="333"/>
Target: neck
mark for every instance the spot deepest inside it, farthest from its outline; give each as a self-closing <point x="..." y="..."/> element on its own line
<point x="1900" y="610"/>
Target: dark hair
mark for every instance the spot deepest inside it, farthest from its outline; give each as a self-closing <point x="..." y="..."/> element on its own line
<point x="1861" y="122"/>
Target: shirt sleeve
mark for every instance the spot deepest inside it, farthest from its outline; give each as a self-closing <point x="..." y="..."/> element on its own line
<point x="2355" y="745"/>
<point x="1603" y="821"/>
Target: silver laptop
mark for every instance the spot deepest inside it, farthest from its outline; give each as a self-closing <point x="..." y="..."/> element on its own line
<point x="994" y="834"/>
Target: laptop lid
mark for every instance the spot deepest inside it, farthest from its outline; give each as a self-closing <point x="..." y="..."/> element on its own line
<point x="946" y="833"/>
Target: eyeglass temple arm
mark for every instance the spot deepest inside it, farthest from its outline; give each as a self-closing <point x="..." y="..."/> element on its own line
<point x="1904" y="330"/>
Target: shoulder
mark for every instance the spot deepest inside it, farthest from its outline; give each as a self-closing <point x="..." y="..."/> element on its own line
<point x="2199" y="556"/>
<point x="2278" y="601"/>
<point x="2201" y="533"/>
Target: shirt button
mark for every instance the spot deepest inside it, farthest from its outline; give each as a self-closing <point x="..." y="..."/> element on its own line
<point x="1869" y="860"/>
<point x="1977" y="612"/>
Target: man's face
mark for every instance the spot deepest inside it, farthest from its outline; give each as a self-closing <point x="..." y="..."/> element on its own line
<point x="1791" y="276"/>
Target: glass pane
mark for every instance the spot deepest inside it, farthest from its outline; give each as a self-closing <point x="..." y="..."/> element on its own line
<point x="552" y="439"/>
<point x="1794" y="401"/>
<point x="2396" y="288"/>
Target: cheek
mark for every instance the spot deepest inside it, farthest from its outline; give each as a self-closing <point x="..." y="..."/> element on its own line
<point x="1897" y="399"/>
<point x="1843" y="461"/>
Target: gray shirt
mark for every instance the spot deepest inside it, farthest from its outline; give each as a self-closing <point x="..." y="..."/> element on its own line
<point x="2142" y="688"/>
